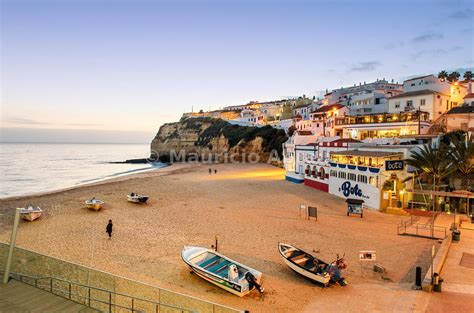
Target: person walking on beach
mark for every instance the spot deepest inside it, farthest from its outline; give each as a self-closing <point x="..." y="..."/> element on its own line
<point x="108" y="229"/>
<point x="215" y="171"/>
<point x="210" y="171"/>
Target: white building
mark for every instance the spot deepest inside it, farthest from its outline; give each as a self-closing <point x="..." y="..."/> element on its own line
<point x="374" y="174"/>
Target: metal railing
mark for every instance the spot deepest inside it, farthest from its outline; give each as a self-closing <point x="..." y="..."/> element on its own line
<point x="54" y="284"/>
<point x="422" y="230"/>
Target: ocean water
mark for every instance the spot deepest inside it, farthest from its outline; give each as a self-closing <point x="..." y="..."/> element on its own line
<point x="31" y="168"/>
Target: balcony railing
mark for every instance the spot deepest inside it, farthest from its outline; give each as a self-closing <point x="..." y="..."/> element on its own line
<point x="384" y="118"/>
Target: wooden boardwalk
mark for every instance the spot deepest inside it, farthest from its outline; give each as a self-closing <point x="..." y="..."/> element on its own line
<point x="22" y="298"/>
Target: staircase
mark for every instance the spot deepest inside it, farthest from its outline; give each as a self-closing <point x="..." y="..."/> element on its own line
<point x="19" y="297"/>
<point x="438" y="126"/>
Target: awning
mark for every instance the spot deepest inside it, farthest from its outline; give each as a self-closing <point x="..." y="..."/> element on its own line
<point x="354" y="201"/>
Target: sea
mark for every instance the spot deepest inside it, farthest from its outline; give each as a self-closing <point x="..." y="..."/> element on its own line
<point x="30" y="168"/>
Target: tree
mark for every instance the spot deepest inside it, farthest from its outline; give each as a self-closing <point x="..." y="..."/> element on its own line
<point x="462" y="155"/>
<point x="454" y="77"/>
<point x="467" y="75"/>
<point x="443" y="75"/>
<point x="433" y="164"/>
<point x="291" y="130"/>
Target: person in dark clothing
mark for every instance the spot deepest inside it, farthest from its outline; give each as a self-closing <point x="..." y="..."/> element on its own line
<point x="210" y="171"/>
<point x="108" y="229"/>
<point x="215" y="171"/>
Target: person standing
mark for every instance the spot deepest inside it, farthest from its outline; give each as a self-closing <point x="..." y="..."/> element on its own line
<point x="108" y="229"/>
<point x="210" y="171"/>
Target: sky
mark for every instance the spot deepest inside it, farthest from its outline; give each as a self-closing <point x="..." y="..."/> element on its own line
<point x="115" y="70"/>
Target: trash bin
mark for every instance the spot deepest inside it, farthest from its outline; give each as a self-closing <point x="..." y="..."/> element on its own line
<point x="437" y="282"/>
<point x="456" y="235"/>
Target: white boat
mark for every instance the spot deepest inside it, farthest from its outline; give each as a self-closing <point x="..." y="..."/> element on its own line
<point x="30" y="213"/>
<point x="136" y="198"/>
<point x="94" y="204"/>
<point x="305" y="264"/>
<point x="221" y="271"/>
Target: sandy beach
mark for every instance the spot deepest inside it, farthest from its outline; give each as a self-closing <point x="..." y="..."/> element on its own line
<point x="250" y="207"/>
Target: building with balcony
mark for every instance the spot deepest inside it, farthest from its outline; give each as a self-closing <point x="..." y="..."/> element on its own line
<point x="382" y="125"/>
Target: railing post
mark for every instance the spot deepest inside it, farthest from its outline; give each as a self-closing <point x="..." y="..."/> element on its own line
<point x="110" y="302"/>
<point x="51" y="284"/>
<point x="89" y="295"/>
<point x="69" y="290"/>
<point x="133" y="305"/>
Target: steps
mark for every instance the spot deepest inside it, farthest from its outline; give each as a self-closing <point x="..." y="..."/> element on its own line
<point x="19" y="297"/>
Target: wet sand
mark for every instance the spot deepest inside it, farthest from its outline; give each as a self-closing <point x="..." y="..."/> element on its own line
<point x="250" y="208"/>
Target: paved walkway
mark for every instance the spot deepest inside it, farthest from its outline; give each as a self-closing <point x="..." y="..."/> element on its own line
<point x="22" y="298"/>
<point x="458" y="286"/>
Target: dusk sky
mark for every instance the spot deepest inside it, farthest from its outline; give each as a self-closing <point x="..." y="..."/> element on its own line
<point x="93" y="67"/>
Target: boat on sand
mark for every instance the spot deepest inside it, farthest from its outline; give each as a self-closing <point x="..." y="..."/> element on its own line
<point x="31" y="212"/>
<point x="94" y="204"/>
<point x="222" y="271"/>
<point x="311" y="267"/>
<point x="136" y="198"/>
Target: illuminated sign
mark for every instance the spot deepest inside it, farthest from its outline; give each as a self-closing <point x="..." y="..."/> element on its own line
<point x="394" y="165"/>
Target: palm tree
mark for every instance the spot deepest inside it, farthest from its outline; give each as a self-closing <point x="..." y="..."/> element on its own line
<point x="432" y="163"/>
<point x="468" y="75"/>
<point x="454" y="77"/>
<point x="443" y="75"/>
<point x="462" y="155"/>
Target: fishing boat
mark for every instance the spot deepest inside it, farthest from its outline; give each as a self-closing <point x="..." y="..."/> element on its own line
<point x="221" y="271"/>
<point x="30" y="213"/>
<point x="311" y="267"/>
<point x="94" y="204"/>
<point x="136" y="198"/>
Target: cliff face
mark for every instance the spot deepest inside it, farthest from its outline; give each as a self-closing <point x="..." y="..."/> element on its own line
<point x="210" y="139"/>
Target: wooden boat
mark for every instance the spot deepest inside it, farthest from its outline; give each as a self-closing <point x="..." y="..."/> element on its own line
<point x="136" y="198"/>
<point x="221" y="271"/>
<point x="305" y="264"/>
<point x="94" y="204"/>
<point x="30" y="213"/>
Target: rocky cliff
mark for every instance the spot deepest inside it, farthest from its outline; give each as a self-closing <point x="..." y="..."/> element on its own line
<point x="215" y="139"/>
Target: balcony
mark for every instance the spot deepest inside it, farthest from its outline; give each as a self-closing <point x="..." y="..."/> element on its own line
<point x="384" y="118"/>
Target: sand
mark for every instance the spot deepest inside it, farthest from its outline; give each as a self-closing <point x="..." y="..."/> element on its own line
<point x="250" y="207"/>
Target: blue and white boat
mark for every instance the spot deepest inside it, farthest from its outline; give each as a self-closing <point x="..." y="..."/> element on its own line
<point x="221" y="271"/>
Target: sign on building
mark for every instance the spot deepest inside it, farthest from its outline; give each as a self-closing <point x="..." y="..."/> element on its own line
<point x="394" y="165"/>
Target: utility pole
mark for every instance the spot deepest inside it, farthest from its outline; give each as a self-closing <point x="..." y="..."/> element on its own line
<point x="6" y="275"/>
<point x="419" y="121"/>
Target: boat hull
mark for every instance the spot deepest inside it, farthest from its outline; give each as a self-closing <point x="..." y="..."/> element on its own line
<point x="31" y="216"/>
<point x="237" y="288"/>
<point x="95" y="207"/>
<point x="141" y="199"/>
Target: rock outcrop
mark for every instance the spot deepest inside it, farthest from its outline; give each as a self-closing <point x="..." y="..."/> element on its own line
<point x="209" y="139"/>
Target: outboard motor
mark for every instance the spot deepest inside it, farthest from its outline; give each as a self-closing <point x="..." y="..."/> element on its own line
<point x="233" y="273"/>
<point x="253" y="282"/>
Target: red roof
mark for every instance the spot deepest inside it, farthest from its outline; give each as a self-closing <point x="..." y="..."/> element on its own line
<point x="346" y="140"/>
<point x="313" y="144"/>
<point x="297" y="116"/>
<point x="328" y="108"/>
<point x="469" y="95"/>
<point x="304" y="132"/>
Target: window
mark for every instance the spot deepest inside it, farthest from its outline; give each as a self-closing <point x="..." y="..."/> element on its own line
<point x="397" y="105"/>
<point x="422" y="102"/>
<point x="362" y="179"/>
<point x="373" y="180"/>
<point x="409" y="103"/>
<point x="333" y="173"/>
<point x="377" y="100"/>
<point x="342" y="175"/>
<point x="351" y="176"/>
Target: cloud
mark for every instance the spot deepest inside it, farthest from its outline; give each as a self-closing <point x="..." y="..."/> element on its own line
<point x="23" y="121"/>
<point x="427" y="37"/>
<point x="462" y="14"/>
<point x="429" y="53"/>
<point x="365" y="66"/>
<point x="393" y="45"/>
